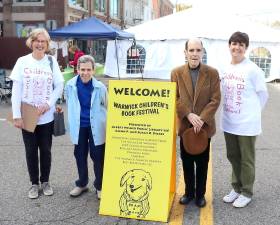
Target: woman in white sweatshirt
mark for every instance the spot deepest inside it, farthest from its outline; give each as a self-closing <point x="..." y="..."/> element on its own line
<point x="37" y="81"/>
<point x="244" y="96"/>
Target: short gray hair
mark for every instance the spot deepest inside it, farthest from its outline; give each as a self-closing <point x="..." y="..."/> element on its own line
<point x="85" y="59"/>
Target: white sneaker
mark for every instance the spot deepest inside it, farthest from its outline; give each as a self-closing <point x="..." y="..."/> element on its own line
<point x="47" y="189"/>
<point x="98" y="193"/>
<point x="241" y="201"/>
<point x="231" y="197"/>
<point x="77" y="191"/>
<point x="34" y="191"/>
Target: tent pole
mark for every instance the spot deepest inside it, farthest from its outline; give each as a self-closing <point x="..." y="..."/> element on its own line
<point x="117" y="57"/>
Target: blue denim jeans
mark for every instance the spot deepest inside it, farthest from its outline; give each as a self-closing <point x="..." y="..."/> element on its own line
<point x="85" y="145"/>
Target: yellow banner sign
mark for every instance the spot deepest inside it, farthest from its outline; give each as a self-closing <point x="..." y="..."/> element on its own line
<point x="139" y="171"/>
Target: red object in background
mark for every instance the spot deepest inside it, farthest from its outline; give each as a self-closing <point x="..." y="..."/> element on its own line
<point x="77" y="55"/>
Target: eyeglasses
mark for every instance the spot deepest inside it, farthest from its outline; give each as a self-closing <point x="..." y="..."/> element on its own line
<point x="40" y="41"/>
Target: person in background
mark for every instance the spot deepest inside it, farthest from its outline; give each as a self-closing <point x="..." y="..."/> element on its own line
<point x="77" y="54"/>
<point x="86" y="100"/>
<point x="197" y="100"/>
<point x="38" y="82"/>
<point x="244" y="96"/>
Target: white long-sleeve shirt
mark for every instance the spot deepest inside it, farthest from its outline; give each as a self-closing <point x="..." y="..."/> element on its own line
<point x="35" y="83"/>
<point x="244" y="94"/>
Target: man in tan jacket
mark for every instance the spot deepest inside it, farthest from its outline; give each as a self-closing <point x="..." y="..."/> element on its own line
<point x="197" y="100"/>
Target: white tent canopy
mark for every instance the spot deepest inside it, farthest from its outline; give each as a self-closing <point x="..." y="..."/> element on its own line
<point x="163" y="40"/>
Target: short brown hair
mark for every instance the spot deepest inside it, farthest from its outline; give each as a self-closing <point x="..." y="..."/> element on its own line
<point x="239" y="37"/>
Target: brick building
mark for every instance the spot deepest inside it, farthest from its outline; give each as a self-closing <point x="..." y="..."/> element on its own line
<point x="165" y="7"/>
<point x="162" y="8"/>
<point x="19" y="17"/>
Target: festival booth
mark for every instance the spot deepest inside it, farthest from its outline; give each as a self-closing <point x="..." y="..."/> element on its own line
<point x="92" y="29"/>
<point x="161" y="42"/>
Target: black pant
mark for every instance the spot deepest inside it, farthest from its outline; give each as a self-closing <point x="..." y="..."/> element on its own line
<point x="42" y="139"/>
<point x="195" y="181"/>
<point x="86" y="145"/>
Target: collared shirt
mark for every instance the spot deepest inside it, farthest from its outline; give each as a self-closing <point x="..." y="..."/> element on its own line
<point x="194" y="75"/>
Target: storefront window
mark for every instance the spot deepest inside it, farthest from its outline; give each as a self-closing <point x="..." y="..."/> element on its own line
<point x="23" y="30"/>
<point x="99" y="50"/>
<point x="114" y="8"/>
<point x="100" y="5"/>
<point x="82" y="3"/>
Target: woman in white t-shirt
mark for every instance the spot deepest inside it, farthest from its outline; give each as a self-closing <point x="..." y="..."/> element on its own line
<point x="244" y="96"/>
<point x="37" y="81"/>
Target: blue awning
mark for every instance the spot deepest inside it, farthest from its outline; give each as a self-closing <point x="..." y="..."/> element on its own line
<point x="91" y="28"/>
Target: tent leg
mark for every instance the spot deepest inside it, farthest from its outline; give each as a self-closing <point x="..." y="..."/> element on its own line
<point x="117" y="57"/>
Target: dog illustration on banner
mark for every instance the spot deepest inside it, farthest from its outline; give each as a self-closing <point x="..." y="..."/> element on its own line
<point x="134" y="200"/>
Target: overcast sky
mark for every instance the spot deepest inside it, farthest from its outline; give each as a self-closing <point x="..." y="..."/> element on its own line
<point x="258" y="8"/>
<point x="238" y="5"/>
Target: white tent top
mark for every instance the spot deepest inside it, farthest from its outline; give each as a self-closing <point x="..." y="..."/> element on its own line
<point x="204" y="24"/>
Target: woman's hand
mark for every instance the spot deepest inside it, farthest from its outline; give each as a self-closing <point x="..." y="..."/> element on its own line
<point x="18" y="123"/>
<point x="58" y="109"/>
<point x="43" y="108"/>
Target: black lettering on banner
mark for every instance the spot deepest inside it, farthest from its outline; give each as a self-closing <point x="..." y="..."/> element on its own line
<point x="142" y="92"/>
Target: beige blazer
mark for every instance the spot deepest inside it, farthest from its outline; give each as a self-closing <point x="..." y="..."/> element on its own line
<point x="203" y="100"/>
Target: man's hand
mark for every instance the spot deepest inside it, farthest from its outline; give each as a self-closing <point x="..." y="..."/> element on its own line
<point x="196" y="121"/>
<point x="18" y="123"/>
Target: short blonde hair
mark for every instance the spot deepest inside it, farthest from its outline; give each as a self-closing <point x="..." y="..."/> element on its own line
<point x="34" y="35"/>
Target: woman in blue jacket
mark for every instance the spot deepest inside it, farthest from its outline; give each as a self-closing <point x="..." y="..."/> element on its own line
<point x="87" y="110"/>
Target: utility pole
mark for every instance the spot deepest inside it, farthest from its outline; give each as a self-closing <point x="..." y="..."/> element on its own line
<point x="108" y="19"/>
<point x="122" y="24"/>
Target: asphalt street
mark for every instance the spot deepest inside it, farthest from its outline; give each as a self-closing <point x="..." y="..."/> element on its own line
<point x="17" y="209"/>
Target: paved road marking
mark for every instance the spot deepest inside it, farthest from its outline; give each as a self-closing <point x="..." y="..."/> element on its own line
<point x="177" y="211"/>
<point x="206" y="213"/>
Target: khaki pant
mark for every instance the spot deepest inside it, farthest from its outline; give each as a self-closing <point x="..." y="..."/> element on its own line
<point x="241" y="154"/>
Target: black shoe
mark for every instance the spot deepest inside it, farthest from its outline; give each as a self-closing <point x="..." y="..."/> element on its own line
<point x="200" y="202"/>
<point x="185" y="199"/>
